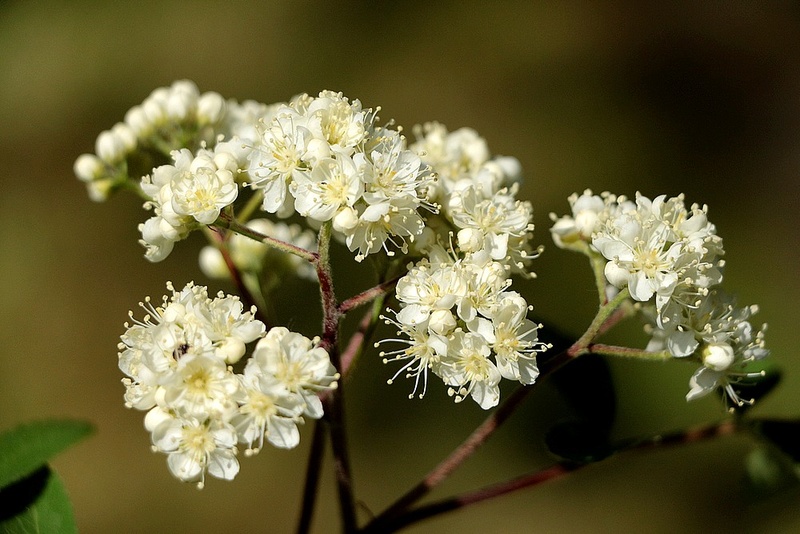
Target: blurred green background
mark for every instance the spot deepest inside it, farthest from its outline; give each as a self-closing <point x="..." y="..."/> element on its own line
<point x="700" y="98"/>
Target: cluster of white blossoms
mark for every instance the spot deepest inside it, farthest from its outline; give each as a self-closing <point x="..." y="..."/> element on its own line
<point x="325" y="158"/>
<point x="477" y="193"/>
<point x="178" y="362"/>
<point x="669" y="257"/>
<point x="170" y="118"/>
<point x="462" y="324"/>
<point x="185" y="195"/>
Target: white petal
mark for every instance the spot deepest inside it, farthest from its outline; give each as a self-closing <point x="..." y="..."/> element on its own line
<point x="223" y="464"/>
<point x="283" y="433"/>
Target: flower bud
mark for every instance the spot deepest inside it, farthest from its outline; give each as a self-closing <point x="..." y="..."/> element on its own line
<point x="88" y="167"/>
<point x="718" y="356"/>
<point x="212" y="263"/>
<point x="470" y="240"/>
<point x="137" y="119"/>
<point x="180" y="105"/>
<point x="441" y="322"/>
<point x="99" y="190"/>
<point x="155" y="111"/>
<point x="125" y="135"/>
<point x="317" y="150"/>
<point x="345" y="220"/>
<point x="109" y="147"/>
<point x="155" y="417"/>
<point x="210" y="108"/>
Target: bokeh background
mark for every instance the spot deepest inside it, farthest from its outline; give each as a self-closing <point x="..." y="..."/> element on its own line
<point x="700" y="97"/>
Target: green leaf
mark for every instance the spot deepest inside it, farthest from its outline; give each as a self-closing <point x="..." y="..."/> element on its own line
<point x="37" y="504"/>
<point x="578" y="441"/>
<point x="785" y="435"/>
<point x="28" y="447"/>
<point x="587" y="387"/>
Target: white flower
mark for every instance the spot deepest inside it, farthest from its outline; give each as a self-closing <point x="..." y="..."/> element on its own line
<point x="389" y="171"/>
<point x="453" y="155"/>
<point x="469" y="371"/>
<point x="298" y="364"/>
<point x="710" y="328"/>
<point x="658" y="248"/>
<point x="488" y="224"/>
<point x="228" y="326"/>
<point x="342" y="123"/>
<point x="330" y="186"/>
<point x="203" y="194"/>
<point x="515" y="340"/>
<point x="641" y="256"/>
<point x="201" y="387"/>
<point x="194" y="447"/>
<point x="392" y="221"/>
<point x="188" y="333"/>
<point x="285" y="149"/>
<point x="266" y="410"/>
<point x="422" y="352"/>
<point x="456" y="314"/>
<point x="486" y="279"/>
<point x="427" y="288"/>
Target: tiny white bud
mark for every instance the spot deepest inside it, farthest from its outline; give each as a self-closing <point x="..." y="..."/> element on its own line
<point x="718" y="356"/>
<point x="233" y="349"/>
<point x="345" y="220"/>
<point x="442" y="322"/>
<point x="126" y="135"/>
<point x="210" y="108"/>
<point x="181" y="105"/>
<point x="99" y="190"/>
<point x="88" y="167"/>
<point x="470" y="240"/>
<point x="109" y="147"/>
<point x="212" y="263"/>
<point x="138" y="121"/>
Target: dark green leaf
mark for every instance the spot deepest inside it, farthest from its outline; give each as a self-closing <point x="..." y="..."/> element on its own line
<point x="785" y="435"/>
<point x="578" y="441"/>
<point x="587" y="387"/>
<point x="26" y="448"/>
<point x="37" y="504"/>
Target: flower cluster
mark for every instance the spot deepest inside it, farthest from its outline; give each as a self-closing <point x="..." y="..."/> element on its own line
<point x="178" y="362"/>
<point x="325" y="158"/>
<point x="669" y="257"/>
<point x="189" y="193"/>
<point x="477" y="193"/>
<point x="456" y="314"/>
<point x="168" y="119"/>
